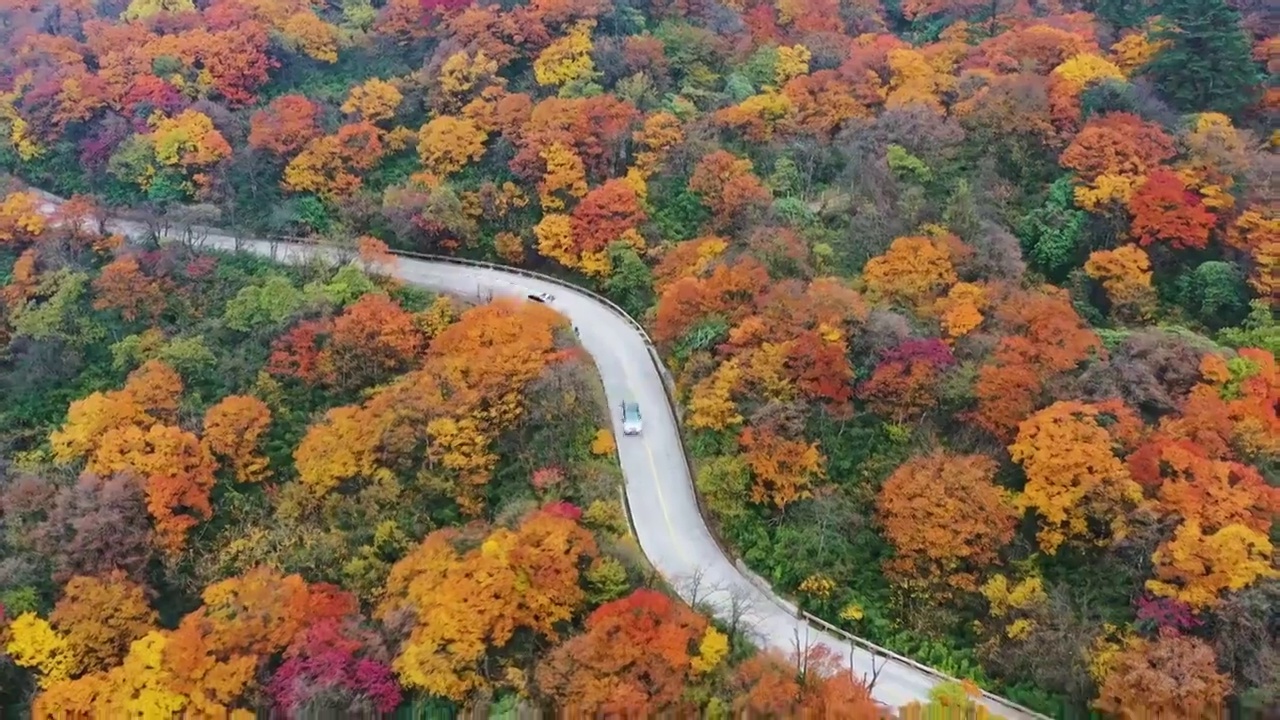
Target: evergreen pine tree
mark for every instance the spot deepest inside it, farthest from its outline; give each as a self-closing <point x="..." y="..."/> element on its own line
<point x="1122" y="14"/>
<point x="1207" y="64"/>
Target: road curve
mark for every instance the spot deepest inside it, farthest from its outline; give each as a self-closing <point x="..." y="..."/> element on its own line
<point x="664" y="509"/>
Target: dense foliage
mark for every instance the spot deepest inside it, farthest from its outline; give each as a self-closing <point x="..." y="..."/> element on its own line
<point x="256" y="488"/>
<point x="971" y="307"/>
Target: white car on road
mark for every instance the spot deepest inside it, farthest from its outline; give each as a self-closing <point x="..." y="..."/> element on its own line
<point x="631" y="422"/>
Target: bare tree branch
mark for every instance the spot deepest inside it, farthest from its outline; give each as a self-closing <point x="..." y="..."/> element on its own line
<point x="691" y="587"/>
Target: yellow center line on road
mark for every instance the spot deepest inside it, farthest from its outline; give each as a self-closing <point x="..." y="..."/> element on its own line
<point x="657" y="484"/>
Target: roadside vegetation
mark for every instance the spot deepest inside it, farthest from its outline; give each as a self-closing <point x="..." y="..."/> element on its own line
<point x="970" y="306"/>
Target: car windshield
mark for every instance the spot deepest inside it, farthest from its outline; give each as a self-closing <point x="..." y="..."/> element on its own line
<point x="630" y="412"/>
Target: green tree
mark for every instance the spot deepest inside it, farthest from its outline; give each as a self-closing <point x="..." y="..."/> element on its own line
<point x="1122" y="13"/>
<point x="785" y="181"/>
<point x="907" y="166"/>
<point x="1207" y="64"/>
<point x="1259" y="329"/>
<point x="1215" y="294"/>
<point x="64" y="314"/>
<point x="262" y="306"/>
<point x="1109" y="96"/>
<point x="961" y="213"/>
<point x="134" y="160"/>
<point x="677" y="214"/>
<point x="346" y="286"/>
<point x="190" y="356"/>
<point x="723" y="482"/>
<point x="738" y="87"/>
<point x="760" y="68"/>
<point x="631" y="284"/>
<point x="1051" y="233"/>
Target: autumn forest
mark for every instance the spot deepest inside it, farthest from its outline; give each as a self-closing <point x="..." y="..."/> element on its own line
<point x="970" y="308"/>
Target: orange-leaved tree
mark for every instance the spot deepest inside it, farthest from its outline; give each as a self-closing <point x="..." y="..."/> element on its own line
<point x="285" y="125"/>
<point x="914" y="271"/>
<point x="819" y="367"/>
<point x="903" y="386"/>
<point x="1192" y="485"/>
<point x="465" y="607"/>
<point x="814" y="683"/>
<point x="605" y="215"/>
<point x="20" y="218"/>
<point x="637" y="656"/>
<point x="1233" y="411"/>
<point x="372" y="340"/>
<point x="124" y="431"/>
<point x="123" y="286"/>
<point x="89" y="631"/>
<point x="688" y="259"/>
<point x="150" y="395"/>
<point x="233" y="430"/>
<point x="331" y="166"/>
<point x="1165" y="211"/>
<point x="1045" y="337"/>
<point x="178" y="474"/>
<point x="729" y="291"/>
<point x="100" y="617"/>
<point x="782" y="470"/>
<point x="212" y="657"/>
<point x="207" y="666"/>
<point x="946" y="519"/>
<point x="1258" y="234"/>
<point x="1169" y="676"/>
<point x="1070" y="78"/>
<point x="1112" y="154"/>
<point x="439" y="422"/>
<point x="960" y="310"/>
<point x="728" y="187"/>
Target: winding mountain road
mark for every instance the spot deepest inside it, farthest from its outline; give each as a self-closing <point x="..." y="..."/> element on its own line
<point x="664" y="510"/>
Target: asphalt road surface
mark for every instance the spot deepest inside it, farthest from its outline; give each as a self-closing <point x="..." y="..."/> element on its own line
<point x="659" y="491"/>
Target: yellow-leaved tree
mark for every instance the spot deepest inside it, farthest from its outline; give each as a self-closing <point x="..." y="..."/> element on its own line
<point x="565" y="175"/>
<point x="1125" y="275"/>
<point x="306" y="33"/>
<point x="143" y="9"/>
<point x="447" y="143"/>
<point x="462" y="73"/>
<point x="711" y="405"/>
<point x="465" y="607"/>
<point x="1196" y="567"/>
<point x="567" y="59"/>
<point x="33" y="643"/>
<point x="793" y="61"/>
<point x="374" y="100"/>
<point x="1075" y="481"/>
